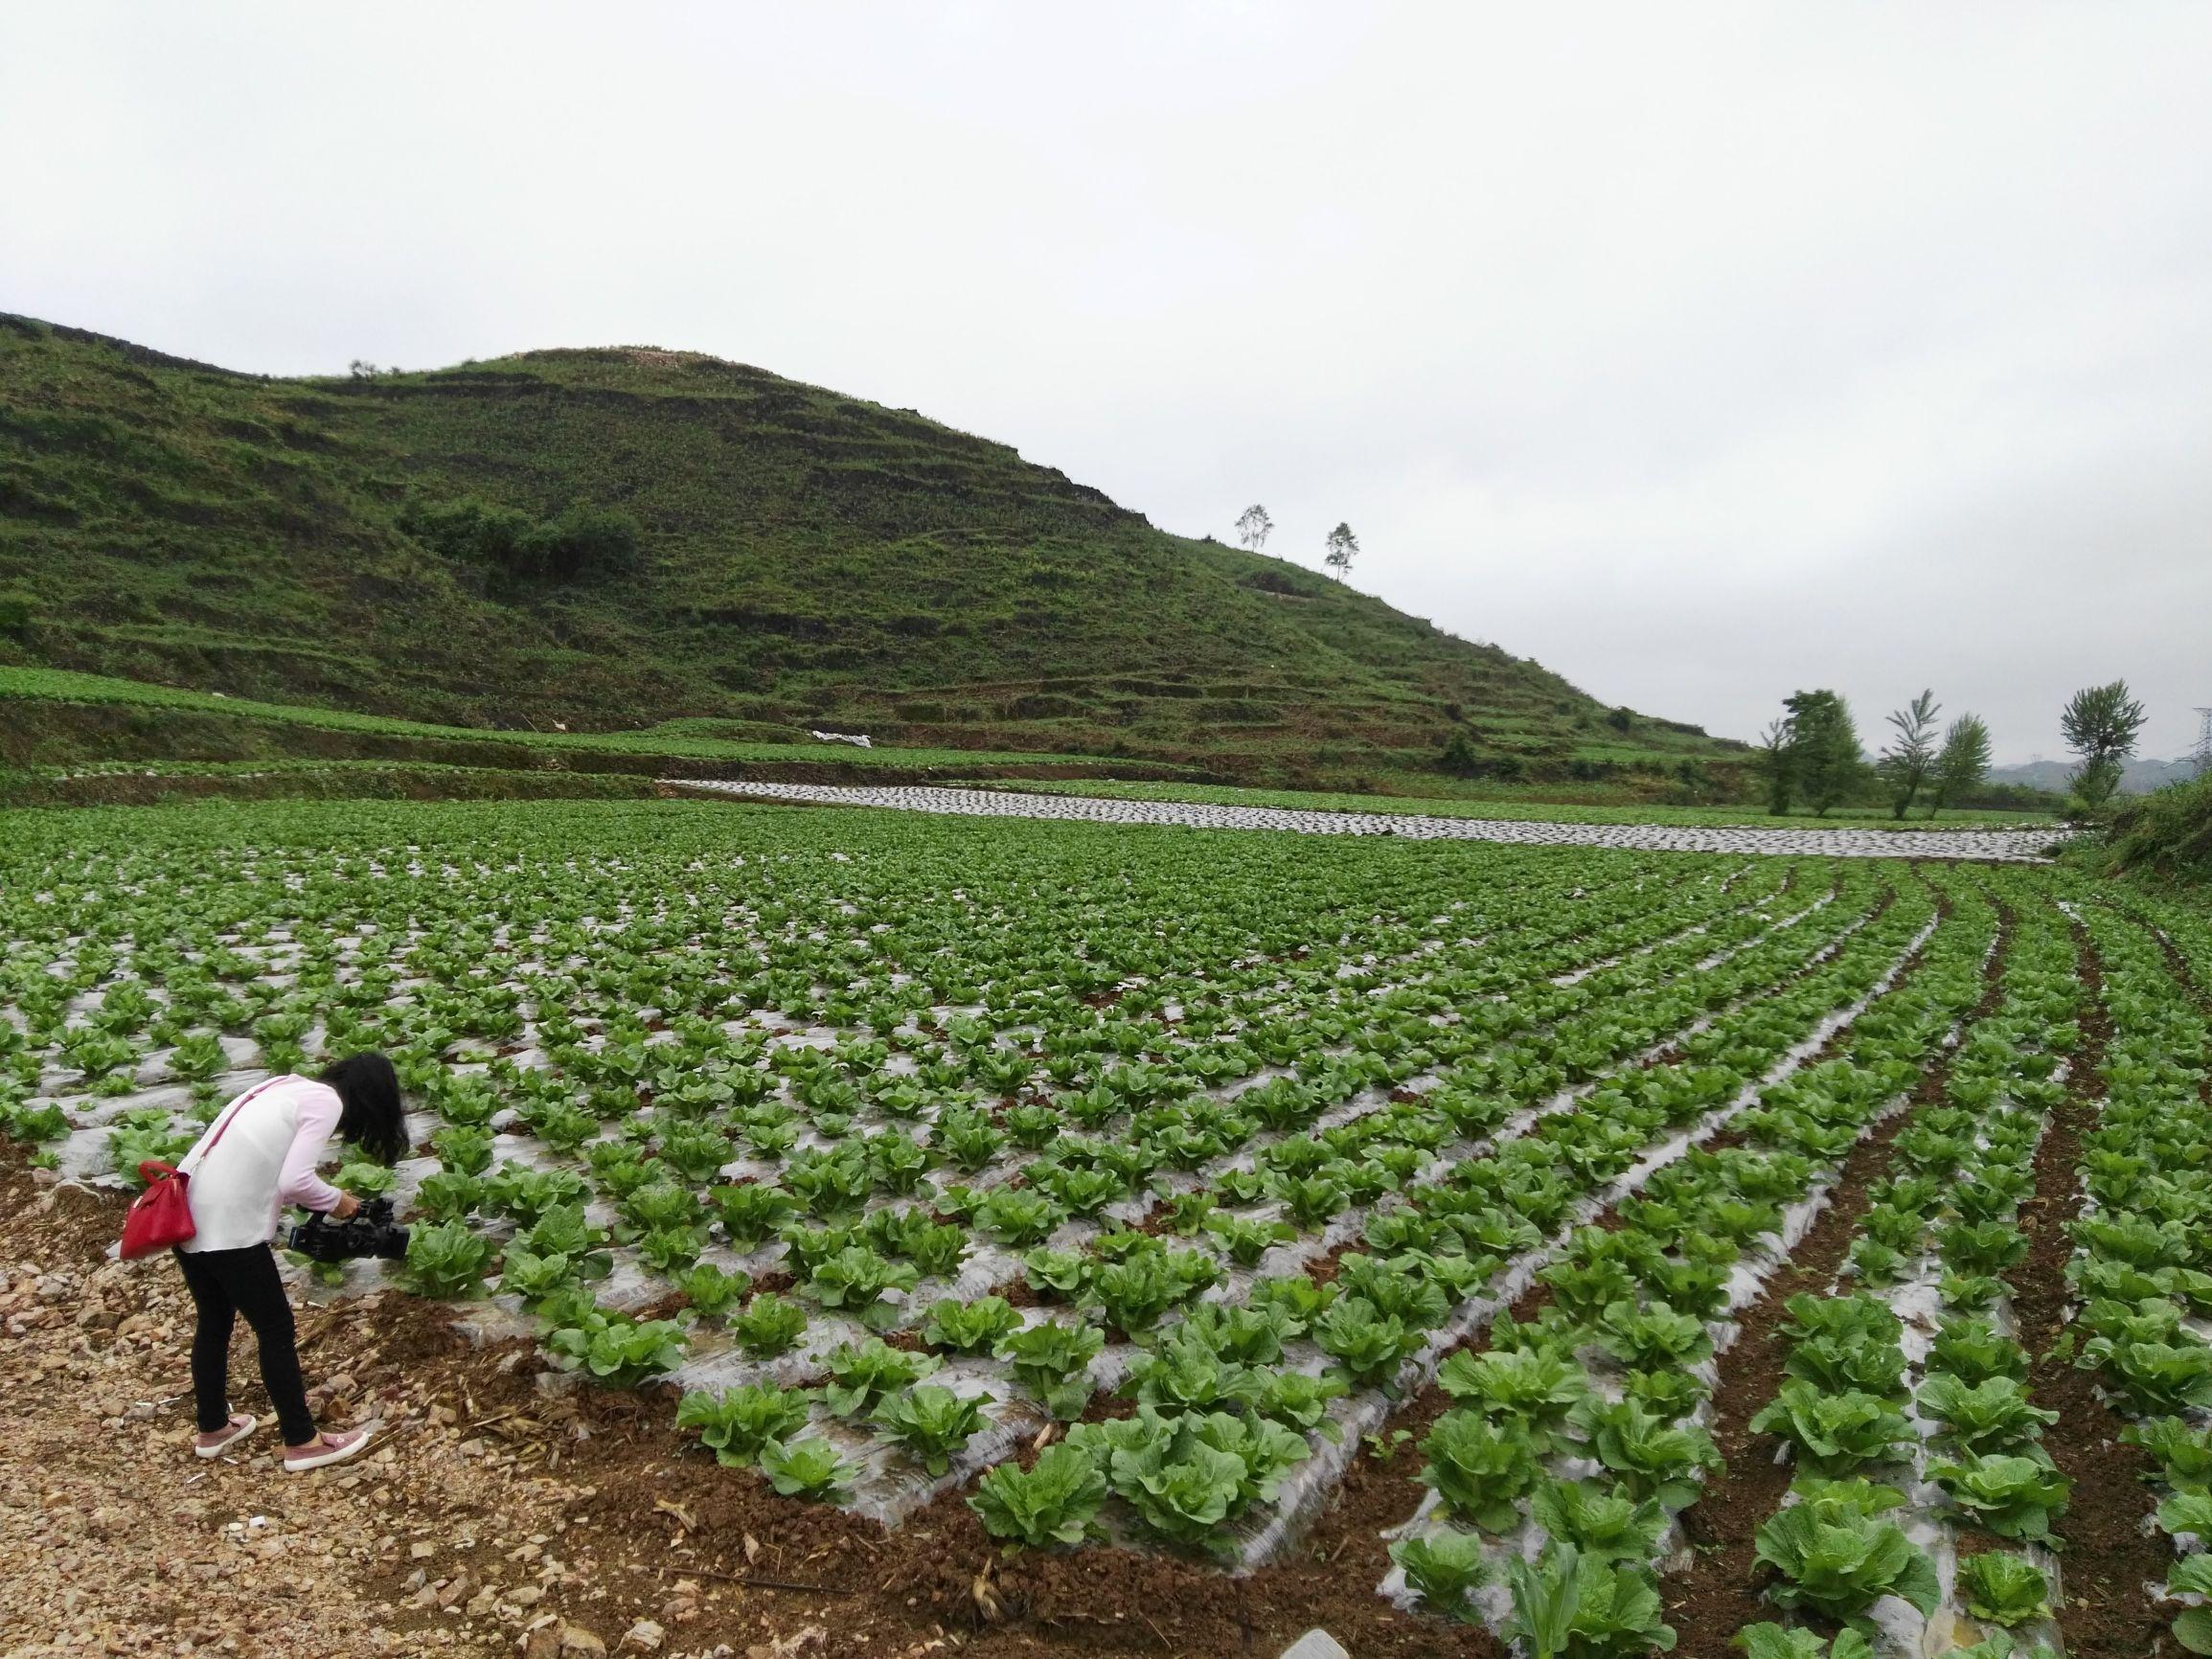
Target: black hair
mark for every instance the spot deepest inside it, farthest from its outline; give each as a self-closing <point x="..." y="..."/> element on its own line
<point x="373" y="1118"/>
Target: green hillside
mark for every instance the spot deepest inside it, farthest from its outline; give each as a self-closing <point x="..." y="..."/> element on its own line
<point x="610" y="539"/>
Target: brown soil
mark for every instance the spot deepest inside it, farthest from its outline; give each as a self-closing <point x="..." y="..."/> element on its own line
<point x="1720" y="1595"/>
<point x="2109" y="1554"/>
<point x="536" y="1502"/>
<point x="1720" y="1592"/>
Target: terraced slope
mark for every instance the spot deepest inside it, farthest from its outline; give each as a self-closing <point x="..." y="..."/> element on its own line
<point x="800" y="559"/>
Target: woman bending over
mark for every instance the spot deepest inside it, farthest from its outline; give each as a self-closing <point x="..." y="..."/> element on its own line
<point x="259" y="1155"/>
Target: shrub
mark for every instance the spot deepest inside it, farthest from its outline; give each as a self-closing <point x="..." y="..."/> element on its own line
<point x="581" y="542"/>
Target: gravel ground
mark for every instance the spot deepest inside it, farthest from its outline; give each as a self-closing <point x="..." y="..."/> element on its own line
<point x="1999" y="846"/>
<point x="464" y="1536"/>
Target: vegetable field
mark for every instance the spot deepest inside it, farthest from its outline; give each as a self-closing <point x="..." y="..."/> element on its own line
<point x="1807" y="1255"/>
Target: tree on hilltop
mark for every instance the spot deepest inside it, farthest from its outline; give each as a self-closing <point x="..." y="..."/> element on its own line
<point x="1343" y="548"/>
<point x="2101" y="724"/>
<point x="1253" y="526"/>
<point x="1906" y="763"/>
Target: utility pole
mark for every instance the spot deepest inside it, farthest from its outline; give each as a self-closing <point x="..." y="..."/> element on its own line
<point x="2202" y="755"/>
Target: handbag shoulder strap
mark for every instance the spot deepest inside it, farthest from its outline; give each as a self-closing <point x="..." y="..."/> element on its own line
<point x="230" y="1117"/>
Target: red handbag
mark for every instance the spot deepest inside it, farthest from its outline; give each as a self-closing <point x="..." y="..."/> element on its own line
<point x="159" y="1218"/>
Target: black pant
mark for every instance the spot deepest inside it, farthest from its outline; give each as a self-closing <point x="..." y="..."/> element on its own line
<point x="223" y="1284"/>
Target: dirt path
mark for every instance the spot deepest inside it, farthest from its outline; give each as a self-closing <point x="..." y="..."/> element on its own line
<point x="469" y="1532"/>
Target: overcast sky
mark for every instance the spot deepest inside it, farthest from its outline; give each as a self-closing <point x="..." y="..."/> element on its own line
<point x="1697" y="352"/>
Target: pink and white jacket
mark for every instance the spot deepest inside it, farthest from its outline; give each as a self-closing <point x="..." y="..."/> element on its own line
<point x="265" y="1160"/>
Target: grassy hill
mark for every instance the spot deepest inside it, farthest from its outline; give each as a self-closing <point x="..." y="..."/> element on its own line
<point x="726" y="546"/>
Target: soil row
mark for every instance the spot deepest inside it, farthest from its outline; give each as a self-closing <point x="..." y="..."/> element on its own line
<point x="1720" y="1595"/>
<point x="2110" y="1553"/>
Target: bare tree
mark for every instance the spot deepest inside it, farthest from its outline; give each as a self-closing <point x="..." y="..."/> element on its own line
<point x="1343" y="548"/>
<point x="1253" y="526"/>
<point x="1905" y="762"/>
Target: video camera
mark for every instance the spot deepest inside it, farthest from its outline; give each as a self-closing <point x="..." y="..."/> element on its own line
<point x="371" y="1231"/>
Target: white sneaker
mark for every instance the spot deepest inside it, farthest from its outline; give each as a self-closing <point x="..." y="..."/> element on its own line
<point x="331" y="1449"/>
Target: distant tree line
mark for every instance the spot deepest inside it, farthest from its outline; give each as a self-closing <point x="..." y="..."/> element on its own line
<point x="1812" y="755"/>
<point x="581" y="543"/>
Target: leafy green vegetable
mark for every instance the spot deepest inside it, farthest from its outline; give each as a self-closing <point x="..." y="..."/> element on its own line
<point x="564" y="1231"/>
<point x="1546" y="1597"/>
<point x="931" y="1421"/>
<point x="856" y="1279"/>
<point x="1053" y="1502"/>
<point x="809" y="1468"/>
<point x="1052" y="1360"/>
<point x="1443" y="1567"/>
<point x="533" y="1276"/>
<point x="1617" y="1610"/>
<point x="712" y="1291"/>
<point x="1534" y="1387"/>
<point x="1184" y="1374"/>
<point x="2013" y="1497"/>
<point x="1775" y="1641"/>
<point x="1845" y="1363"/>
<point x="770" y="1325"/>
<point x="1996" y="1415"/>
<point x="1056" y="1273"/>
<point x="2187" y="1513"/>
<point x="1015" y="1217"/>
<point x="1368" y="1344"/>
<point x="1479" y="1469"/>
<point x="1652" y="1459"/>
<point x="1653" y="1338"/>
<point x="2182" y="1452"/>
<point x="1837" y="1561"/>
<point x="2001" y="1586"/>
<point x="970" y="1326"/>
<point x="618" y="1350"/>
<point x="445" y="1259"/>
<point x="863" y="1374"/>
<point x="1300" y="1299"/>
<point x="1608" y="1524"/>
<point x="751" y="1210"/>
<point x="449" y="1194"/>
<point x="2156" y="1377"/>
<point x="1975" y="1351"/>
<point x="740" y="1422"/>
<point x="1833" y="1433"/>
<point x="1137" y="1292"/>
<point x="1186" y="1476"/>
<point x="2192" y="1576"/>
